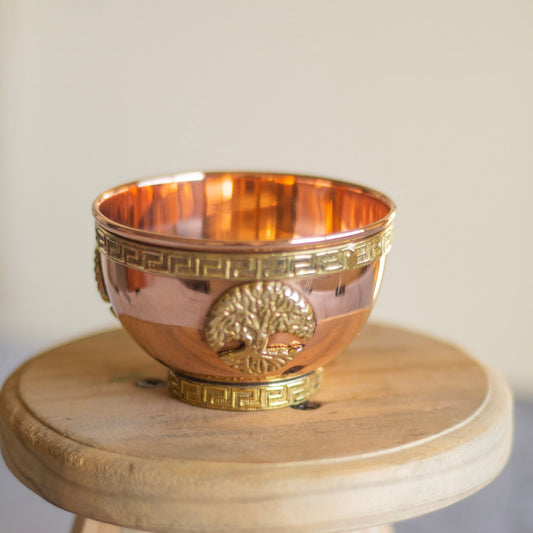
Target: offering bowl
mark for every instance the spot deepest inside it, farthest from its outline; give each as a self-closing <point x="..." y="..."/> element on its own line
<point x="244" y="284"/>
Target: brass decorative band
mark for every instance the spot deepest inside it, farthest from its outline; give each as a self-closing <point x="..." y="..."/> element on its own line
<point x="256" y="397"/>
<point x="244" y="267"/>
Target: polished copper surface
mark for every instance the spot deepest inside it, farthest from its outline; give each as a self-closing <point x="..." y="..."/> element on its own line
<point x="238" y="210"/>
<point x="172" y="247"/>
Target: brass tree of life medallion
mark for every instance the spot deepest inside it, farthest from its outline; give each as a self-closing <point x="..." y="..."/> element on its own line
<point x="246" y="316"/>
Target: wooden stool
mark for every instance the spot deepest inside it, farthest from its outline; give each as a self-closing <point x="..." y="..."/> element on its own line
<point x="403" y="425"/>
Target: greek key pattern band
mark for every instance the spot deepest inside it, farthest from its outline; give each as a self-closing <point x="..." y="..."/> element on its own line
<point x="252" y="397"/>
<point x="243" y="267"/>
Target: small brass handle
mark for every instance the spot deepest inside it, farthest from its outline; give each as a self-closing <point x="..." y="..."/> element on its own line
<point x="99" y="276"/>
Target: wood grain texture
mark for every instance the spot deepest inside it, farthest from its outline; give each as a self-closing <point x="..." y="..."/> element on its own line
<point x="407" y="424"/>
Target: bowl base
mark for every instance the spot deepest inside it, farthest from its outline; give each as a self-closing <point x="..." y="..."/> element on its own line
<point x="244" y="396"/>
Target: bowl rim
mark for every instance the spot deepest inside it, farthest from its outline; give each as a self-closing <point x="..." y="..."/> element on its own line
<point x="175" y="241"/>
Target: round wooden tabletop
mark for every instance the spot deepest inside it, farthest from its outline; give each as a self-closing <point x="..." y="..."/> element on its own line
<point x="404" y="425"/>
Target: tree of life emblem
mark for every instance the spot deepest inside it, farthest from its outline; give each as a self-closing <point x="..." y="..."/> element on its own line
<point x="248" y="315"/>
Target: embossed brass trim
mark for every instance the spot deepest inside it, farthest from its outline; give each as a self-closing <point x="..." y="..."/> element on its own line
<point x="250" y="313"/>
<point x="256" y="397"/>
<point x="244" y="267"/>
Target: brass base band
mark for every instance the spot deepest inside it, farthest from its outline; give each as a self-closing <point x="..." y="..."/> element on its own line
<point x="244" y="397"/>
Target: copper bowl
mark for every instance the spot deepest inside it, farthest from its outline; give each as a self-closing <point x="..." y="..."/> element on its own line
<point x="244" y="284"/>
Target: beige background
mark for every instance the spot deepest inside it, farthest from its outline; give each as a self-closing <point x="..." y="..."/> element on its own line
<point x="429" y="102"/>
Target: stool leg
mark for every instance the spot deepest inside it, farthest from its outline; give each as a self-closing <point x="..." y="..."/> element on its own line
<point x="386" y="528"/>
<point x="86" y="525"/>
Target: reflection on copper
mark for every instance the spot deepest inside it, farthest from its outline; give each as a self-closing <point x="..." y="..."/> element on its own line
<point x="183" y="349"/>
<point x="239" y="209"/>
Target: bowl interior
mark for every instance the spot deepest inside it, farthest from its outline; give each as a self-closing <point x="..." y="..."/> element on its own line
<point x="243" y="207"/>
